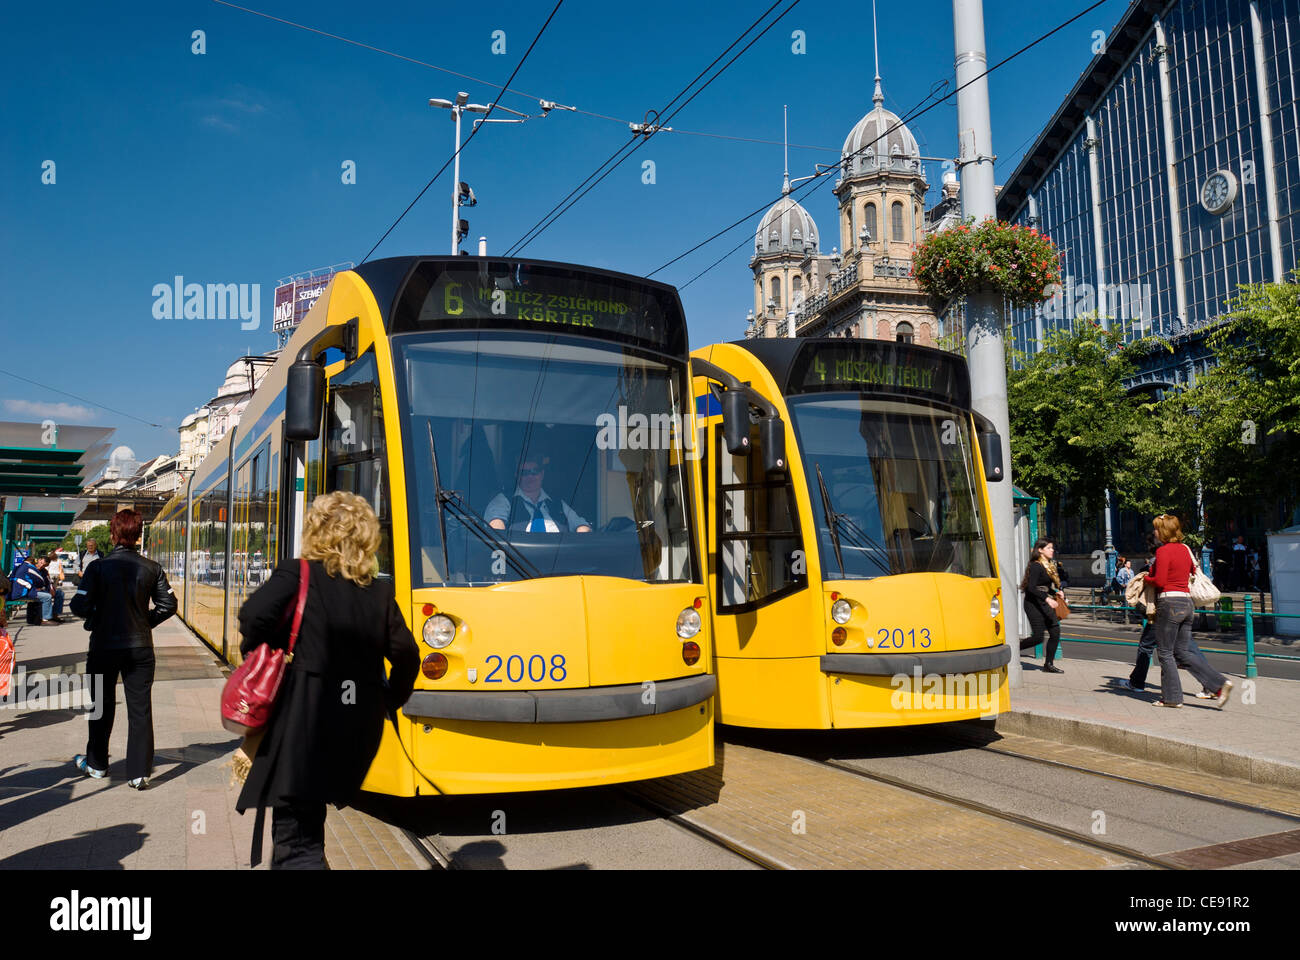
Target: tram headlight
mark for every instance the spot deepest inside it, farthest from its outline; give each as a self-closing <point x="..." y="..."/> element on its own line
<point x="995" y="606"/>
<point x="841" y="610"/>
<point x="688" y="623"/>
<point x="439" y="631"/>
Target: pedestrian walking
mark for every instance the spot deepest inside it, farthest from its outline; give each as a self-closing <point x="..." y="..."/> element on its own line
<point x="1137" y="680"/>
<point x="54" y="572"/>
<point x="1171" y="570"/>
<point x="1042" y="588"/>
<point x="1239" y="557"/>
<point x="329" y="714"/>
<point x="114" y="598"/>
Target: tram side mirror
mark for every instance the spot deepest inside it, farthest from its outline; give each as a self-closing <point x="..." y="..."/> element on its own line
<point x="991" y="454"/>
<point x="304" y="399"/>
<point x="735" y="422"/>
<point x="771" y="441"/>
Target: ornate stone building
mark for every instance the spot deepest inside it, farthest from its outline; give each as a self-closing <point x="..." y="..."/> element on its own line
<point x="866" y="291"/>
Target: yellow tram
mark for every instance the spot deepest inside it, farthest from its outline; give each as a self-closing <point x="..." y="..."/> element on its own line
<point x="521" y="429"/>
<point x="852" y="572"/>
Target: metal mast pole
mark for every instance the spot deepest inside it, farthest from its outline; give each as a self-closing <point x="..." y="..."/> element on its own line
<point x="455" y="186"/>
<point x="984" y="322"/>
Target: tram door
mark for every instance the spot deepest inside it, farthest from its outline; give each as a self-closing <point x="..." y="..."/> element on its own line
<point x="763" y="609"/>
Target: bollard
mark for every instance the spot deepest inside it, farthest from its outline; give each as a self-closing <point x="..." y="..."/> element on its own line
<point x="1251" y="669"/>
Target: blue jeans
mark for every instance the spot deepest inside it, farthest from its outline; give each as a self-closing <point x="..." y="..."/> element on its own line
<point x="47" y="604"/>
<point x="1175" y="648"/>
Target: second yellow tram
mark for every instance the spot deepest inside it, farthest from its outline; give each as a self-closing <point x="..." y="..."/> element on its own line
<point x="853" y="575"/>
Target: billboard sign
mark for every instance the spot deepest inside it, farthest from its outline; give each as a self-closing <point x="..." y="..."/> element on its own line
<point x="283" y="317"/>
<point x="295" y="296"/>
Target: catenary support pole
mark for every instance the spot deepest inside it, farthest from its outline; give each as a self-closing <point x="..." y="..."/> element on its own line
<point x="984" y="320"/>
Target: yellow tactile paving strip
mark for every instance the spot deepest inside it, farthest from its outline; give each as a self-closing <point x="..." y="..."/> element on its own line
<point x="759" y="800"/>
<point x="356" y="841"/>
<point x="1280" y="799"/>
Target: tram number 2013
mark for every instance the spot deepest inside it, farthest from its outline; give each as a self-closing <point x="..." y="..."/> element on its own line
<point x="535" y="668"/>
<point x="900" y="639"/>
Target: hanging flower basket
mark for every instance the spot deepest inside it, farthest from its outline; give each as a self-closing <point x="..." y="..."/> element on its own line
<point x="1018" y="262"/>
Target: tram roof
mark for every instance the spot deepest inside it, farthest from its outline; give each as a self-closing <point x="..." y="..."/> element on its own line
<point x="803" y="365"/>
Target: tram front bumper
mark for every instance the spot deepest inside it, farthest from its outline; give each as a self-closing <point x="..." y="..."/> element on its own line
<point x="899" y="689"/>
<point x="562" y="706"/>
<point x="895" y="664"/>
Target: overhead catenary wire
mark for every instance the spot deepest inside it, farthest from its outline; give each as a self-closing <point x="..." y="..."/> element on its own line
<point x="628" y="146"/>
<point x="818" y="179"/>
<point x="808" y="188"/>
<point x="492" y="106"/>
<point x="93" y="403"/>
<point x="658" y="124"/>
<point x="488" y="83"/>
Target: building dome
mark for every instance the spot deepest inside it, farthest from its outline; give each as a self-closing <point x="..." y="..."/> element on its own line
<point x="880" y="143"/>
<point x="786" y="228"/>
<point x="236" y="380"/>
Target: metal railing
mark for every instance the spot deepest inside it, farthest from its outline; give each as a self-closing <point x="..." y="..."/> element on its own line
<point x="1221" y="614"/>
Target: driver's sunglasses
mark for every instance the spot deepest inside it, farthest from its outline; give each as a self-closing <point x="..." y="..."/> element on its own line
<point x="529" y="471"/>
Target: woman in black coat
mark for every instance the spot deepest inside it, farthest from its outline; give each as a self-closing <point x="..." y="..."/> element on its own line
<point x="1042" y="587"/>
<point x="330" y="712"/>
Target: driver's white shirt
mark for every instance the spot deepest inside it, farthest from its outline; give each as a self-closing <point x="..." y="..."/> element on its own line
<point x="498" y="508"/>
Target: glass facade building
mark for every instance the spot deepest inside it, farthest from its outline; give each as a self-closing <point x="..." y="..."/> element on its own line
<point x="1170" y="175"/>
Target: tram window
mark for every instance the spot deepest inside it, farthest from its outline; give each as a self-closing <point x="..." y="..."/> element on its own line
<point x="760" y="549"/>
<point x="901" y="481"/>
<point x="354" y="441"/>
<point x="515" y="422"/>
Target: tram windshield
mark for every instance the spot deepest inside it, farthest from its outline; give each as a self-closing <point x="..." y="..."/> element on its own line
<point x="893" y="487"/>
<point x="554" y="456"/>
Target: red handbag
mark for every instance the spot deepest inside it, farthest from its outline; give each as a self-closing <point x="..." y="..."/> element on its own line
<point x="249" y="695"/>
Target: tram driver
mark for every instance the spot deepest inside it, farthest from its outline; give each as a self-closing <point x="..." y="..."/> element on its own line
<point x="531" y="509"/>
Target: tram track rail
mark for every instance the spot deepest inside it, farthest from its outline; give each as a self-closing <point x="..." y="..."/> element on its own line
<point x="1032" y="823"/>
<point x="427" y="847"/>
<point x="972" y="742"/>
<point x="715" y="837"/>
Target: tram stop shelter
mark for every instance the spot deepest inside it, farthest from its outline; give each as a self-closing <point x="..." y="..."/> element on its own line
<point x="43" y="470"/>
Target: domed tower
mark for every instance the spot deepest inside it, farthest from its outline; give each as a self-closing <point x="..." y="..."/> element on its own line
<point x="785" y="243"/>
<point x="881" y="193"/>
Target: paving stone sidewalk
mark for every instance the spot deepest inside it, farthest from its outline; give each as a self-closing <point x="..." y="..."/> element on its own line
<point x="1255" y="737"/>
<point x="52" y="816"/>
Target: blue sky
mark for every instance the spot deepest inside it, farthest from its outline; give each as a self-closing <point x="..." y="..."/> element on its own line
<point x="226" y="167"/>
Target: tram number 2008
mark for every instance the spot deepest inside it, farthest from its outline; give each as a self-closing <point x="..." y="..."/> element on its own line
<point x="900" y="639"/>
<point x="535" y="668"/>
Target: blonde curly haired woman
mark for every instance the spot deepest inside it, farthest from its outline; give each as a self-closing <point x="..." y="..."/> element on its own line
<point x="329" y="715"/>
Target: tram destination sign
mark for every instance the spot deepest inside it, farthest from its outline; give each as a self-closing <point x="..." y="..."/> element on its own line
<point x="880" y="367"/>
<point x="549" y="298"/>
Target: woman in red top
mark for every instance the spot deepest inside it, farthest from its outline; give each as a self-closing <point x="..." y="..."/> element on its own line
<point x="1171" y="569"/>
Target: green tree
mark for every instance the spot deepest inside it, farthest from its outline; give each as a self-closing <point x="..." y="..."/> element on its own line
<point x="1246" y="408"/>
<point x="99" y="533"/>
<point x="1073" y="422"/>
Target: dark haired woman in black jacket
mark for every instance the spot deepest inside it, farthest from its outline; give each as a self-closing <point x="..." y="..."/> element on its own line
<point x="1042" y="588"/>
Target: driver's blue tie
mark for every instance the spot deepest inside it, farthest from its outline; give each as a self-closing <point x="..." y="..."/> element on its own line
<point x="539" y="522"/>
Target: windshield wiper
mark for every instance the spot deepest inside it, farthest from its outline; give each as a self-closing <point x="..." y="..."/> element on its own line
<point x="486" y="533"/>
<point x="832" y="520"/>
<point x="483" y="531"/>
